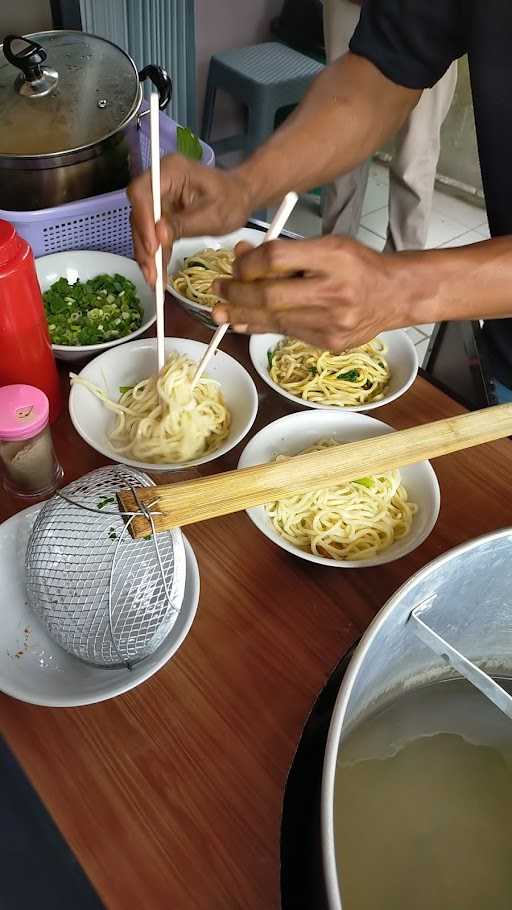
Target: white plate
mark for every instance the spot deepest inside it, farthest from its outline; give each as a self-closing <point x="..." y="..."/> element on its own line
<point x="296" y="432"/>
<point x="86" y="264"/>
<point x="43" y="673"/>
<point x="401" y="357"/>
<point x="184" y="248"/>
<point x="128" y="364"/>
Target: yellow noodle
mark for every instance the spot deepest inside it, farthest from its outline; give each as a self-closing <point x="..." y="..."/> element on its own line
<point x="199" y="272"/>
<point x="162" y="420"/>
<point x="350" y="379"/>
<point x="349" y="521"/>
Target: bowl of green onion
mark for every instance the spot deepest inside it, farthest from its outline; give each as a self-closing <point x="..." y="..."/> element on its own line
<point x="93" y="301"/>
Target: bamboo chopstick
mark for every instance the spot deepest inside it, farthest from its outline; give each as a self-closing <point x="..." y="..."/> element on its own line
<point x="184" y="503"/>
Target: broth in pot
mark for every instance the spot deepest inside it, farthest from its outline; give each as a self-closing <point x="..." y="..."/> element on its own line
<point x="423" y="804"/>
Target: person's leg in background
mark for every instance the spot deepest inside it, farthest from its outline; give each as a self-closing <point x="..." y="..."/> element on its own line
<point x="413" y="168"/>
<point x="342" y="201"/>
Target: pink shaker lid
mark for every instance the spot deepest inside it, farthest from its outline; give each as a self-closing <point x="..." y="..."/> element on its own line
<point x="23" y="411"/>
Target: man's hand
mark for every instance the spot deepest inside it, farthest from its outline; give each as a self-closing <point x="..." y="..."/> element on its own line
<point x="332" y="292"/>
<point x="195" y="200"/>
<point x="351" y="101"/>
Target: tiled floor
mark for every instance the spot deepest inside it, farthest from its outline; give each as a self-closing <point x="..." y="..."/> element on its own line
<point x="453" y="223"/>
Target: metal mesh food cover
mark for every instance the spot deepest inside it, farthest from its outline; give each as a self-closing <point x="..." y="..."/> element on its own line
<point x="102" y="596"/>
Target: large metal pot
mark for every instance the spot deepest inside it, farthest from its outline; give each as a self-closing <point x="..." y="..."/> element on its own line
<point x="472" y="611"/>
<point x="69" y="107"/>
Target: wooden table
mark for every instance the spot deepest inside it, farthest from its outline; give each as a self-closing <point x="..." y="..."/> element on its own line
<point x="170" y="796"/>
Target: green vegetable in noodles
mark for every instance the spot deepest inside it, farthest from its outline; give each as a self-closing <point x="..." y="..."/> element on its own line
<point x="102" y="309"/>
<point x="123" y="389"/>
<point x="188" y="144"/>
<point x="365" y="482"/>
<point x="270" y="355"/>
<point x="351" y="376"/>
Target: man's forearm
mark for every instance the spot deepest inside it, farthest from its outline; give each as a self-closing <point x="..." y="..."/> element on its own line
<point x="469" y="282"/>
<point x="350" y="111"/>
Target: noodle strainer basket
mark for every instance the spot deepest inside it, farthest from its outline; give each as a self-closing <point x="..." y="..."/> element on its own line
<point x="105" y="598"/>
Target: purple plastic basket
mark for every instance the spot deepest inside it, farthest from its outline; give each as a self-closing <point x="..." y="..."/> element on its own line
<point x="99" y="222"/>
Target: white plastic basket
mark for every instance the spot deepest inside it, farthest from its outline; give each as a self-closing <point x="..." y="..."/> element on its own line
<point x="99" y="222"/>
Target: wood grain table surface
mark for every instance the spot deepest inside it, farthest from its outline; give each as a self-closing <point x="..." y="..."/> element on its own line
<point x="170" y="796"/>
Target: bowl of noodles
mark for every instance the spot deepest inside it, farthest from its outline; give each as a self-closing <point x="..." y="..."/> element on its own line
<point x="361" y="379"/>
<point x="197" y="262"/>
<point x="365" y="522"/>
<point x="126" y="411"/>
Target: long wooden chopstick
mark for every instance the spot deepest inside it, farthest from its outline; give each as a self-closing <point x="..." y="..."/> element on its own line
<point x="185" y="503"/>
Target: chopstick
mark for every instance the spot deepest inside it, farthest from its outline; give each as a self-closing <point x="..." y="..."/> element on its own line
<point x="276" y="226"/>
<point x="157" y="214"/>
<point x="179" y="504"/>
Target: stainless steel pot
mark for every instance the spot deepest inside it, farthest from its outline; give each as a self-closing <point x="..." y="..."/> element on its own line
<point x="472" y="611"/>
<point x="69" y="108"/>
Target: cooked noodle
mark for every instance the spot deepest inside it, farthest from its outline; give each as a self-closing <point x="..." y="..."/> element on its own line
<point x="199" y="272"/>
<point x="353" y="378"/>
<point x="354" y="520"/>
<point x="162" y="420"/>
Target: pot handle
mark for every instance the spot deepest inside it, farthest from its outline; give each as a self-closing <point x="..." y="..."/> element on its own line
<point x="28" y="59"/>
<point x="161" y="80"/>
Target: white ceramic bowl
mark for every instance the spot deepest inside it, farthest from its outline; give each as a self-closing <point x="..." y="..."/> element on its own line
<point x="296" y="432"/>
<point x="184" y="248"/>
<point x="401" y="357"/>
<point x="34" y="668"/>
<point x="86" y="264"/>
<point x="128" y="364"/>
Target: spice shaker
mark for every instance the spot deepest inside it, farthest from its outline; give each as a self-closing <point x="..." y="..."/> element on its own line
<point x="25" y="350"/>
<point x="28" y="459"/>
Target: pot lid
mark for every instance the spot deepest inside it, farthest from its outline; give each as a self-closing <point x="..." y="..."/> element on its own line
<point x="61" y="91"/>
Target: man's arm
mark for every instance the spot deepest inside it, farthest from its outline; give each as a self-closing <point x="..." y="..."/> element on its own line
<point x="350" y="110"/>
<point x="346" y="294"/>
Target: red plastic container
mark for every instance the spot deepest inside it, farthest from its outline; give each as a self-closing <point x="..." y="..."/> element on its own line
<point x="26" y="354"/>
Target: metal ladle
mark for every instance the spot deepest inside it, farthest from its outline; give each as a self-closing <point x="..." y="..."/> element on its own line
<point x="477" y="677"/>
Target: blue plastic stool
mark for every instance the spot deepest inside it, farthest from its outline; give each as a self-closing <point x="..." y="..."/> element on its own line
<point x="265" y="78"/>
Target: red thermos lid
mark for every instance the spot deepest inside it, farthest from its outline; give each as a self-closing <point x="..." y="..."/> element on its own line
<point x="11" y="243"/>
<point x="26" y="354"/>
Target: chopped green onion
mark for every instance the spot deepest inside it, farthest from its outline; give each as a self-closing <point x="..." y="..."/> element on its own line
<point x="105" y="502"/>
<point x="351" y="376"/>
<point x="102" y="309"/>
<point x="365" y="482"/>
<point x="123" y="389"/>
<point x="270" y="356"/>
